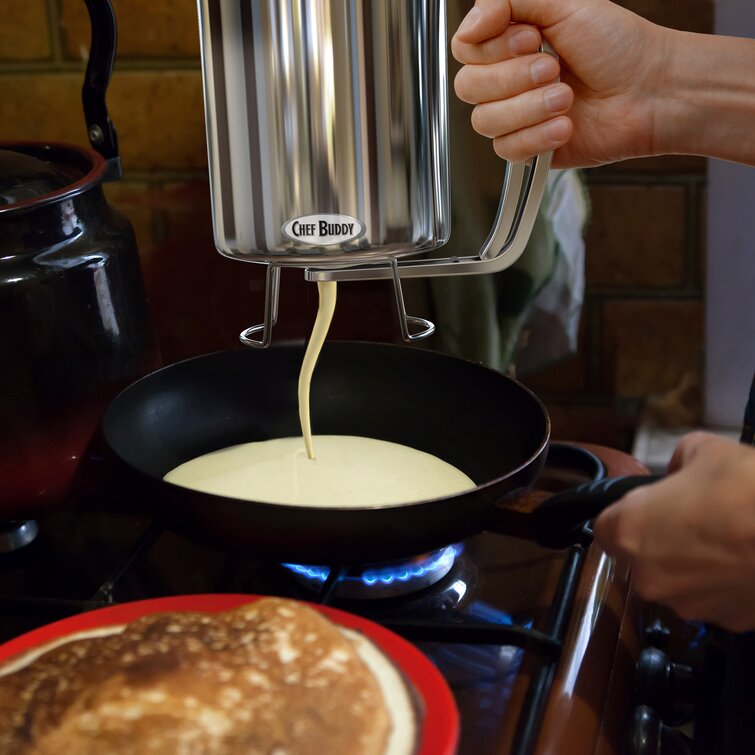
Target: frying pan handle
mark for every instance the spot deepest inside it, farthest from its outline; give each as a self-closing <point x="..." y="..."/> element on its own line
<point x="560" y="518"/>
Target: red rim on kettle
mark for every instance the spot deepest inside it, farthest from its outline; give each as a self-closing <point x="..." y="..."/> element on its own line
<point x="439" y="727"/>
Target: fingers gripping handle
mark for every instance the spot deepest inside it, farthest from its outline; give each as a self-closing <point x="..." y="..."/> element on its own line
<point x="559" y="519"/>
<point x="523" y="185"/>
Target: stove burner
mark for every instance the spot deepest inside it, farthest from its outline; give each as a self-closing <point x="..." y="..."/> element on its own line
<point x="15" y="535"/>
<point x="386" y="580"/>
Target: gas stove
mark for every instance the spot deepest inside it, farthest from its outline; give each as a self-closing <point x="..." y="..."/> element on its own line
<point x="540" y="647"/>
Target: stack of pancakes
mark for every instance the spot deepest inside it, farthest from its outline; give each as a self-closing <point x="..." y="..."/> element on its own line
<point x="272" y="677"/>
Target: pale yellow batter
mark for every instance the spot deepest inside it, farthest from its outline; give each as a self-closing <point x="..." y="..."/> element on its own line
<point x="349" y="471"/>
<point x="327" y="291"/>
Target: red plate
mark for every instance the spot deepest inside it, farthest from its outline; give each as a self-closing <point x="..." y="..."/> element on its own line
<point x="440" y="726"/>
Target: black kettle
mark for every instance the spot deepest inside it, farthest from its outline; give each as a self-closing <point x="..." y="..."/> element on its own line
<point x="74" y="323"/>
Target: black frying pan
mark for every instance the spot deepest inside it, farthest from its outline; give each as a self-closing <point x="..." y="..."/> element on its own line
<point x="487" y="425"/>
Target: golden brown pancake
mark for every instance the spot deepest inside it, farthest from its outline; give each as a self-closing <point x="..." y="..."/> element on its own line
<point x="272" y="677"/>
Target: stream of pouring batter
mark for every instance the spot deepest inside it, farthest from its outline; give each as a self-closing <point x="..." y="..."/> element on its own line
<point x="327" y="291"/>
<point x="349" y="471"/>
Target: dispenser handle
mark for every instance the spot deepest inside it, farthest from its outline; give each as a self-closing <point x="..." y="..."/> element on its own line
<point x="102" y="134"/>
<point x="521" y="194"/>
<point x="523" y="186"/>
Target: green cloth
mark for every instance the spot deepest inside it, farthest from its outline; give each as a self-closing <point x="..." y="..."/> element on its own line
<point x="480" y="317"/>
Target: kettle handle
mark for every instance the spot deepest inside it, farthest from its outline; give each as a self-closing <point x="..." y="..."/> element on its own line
<point x="100" y="130"/>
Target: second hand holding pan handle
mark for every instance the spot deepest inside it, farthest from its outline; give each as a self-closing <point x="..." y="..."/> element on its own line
<point x="560" y="518"/>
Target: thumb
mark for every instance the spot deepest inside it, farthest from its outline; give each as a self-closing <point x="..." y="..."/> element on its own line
<point x="620" y="528"/>
<point x="688" y="447"/>
<point x="606" y="529"/>
<point x="486" y="20"/>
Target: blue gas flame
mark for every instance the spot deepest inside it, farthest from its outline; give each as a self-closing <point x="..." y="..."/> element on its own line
<point x="387" y="575"/>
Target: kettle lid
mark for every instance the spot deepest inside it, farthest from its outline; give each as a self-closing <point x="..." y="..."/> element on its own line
<point x="24" y="176"/>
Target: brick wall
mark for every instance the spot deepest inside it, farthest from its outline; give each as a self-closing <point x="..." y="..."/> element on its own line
<point x="642" y="325"/>
<point x="642" y="322"/>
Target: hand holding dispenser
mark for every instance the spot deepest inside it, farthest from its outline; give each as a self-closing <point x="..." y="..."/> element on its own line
<point x="327" y="132"/>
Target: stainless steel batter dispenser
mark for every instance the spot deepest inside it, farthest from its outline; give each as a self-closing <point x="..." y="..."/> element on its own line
<point x="328" y="145"/>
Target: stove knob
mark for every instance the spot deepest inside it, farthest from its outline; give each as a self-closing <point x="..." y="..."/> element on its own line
<point x="650" y="736"/>
<point x="667" y="687"/>
<point x="657" y="634"/>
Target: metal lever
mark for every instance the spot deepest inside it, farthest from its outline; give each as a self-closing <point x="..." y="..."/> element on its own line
<point x="272" y="293"/>
<point x="272" y="297"/>
<point x="405" y="320"/>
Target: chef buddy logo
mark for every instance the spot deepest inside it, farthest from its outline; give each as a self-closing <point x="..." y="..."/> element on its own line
<point x="323" y="230"/>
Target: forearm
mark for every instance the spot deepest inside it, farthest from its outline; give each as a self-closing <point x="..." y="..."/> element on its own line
<point x="706" y="99"/>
